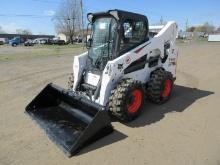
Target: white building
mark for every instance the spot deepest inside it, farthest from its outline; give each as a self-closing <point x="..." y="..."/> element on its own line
<point x="214" y="37"/>
<point x="62" y="36"/>
<point x="156" y="28"/>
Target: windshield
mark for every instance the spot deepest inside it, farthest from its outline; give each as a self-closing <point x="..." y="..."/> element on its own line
<point x="102" y="41"/>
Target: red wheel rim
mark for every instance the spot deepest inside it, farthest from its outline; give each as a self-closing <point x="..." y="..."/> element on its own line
<point x="167" y="88"/>
<point x="136" y="101"/>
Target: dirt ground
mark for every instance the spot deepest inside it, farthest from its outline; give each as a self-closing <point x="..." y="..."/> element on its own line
<point x="183" y="131"/>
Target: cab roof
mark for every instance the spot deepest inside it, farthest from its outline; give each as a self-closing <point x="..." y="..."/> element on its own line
<point x="120" y="15"/>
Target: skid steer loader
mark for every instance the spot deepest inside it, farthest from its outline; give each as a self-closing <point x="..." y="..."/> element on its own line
<point x="126" y="62"/>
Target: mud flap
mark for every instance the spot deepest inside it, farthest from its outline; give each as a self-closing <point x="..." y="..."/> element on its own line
<point x="69" y="120"/>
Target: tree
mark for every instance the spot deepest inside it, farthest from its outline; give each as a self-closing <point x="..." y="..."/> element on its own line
<point x="27" y="32"/>
<point x="68" y="18"/>
<point x="206" y="28"/>
<point x="209" y="28"/>
<point x="200" y="28"/>
<point x="23" y="31"/>
<point x="191" y="29"/>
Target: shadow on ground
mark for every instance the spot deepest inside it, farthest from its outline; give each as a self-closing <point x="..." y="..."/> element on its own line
<point x="107" y="140"/>
<point x="181" y="98"/>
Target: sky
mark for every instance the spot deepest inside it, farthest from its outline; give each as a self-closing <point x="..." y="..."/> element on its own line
<point x="36" y="15"/>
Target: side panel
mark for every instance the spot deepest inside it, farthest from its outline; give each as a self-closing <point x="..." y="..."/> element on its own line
<point x="168" y="35"/>
<point x="78" y="67"/>
<point x="154" y="51"/>
<point x="171" y="63"/>
<point x="114" y="72"/>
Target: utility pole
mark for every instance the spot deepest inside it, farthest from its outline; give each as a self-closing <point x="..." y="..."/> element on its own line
<point x="69" y="29"/>
<point x="187" y="24"/>
<point x="81" y="5"/>
<point x="71" y="25"/>
<point x="161" y="20"/>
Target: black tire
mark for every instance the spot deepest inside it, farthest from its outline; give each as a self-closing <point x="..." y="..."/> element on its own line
<point x="156" y="91"/>
<point x="128" y="92"/>
<point x="70" y="82"/>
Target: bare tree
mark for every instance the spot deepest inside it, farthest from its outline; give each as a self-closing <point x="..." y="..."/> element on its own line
<point x="206" y="28"/>
<point x="191" y="29"/>
<point x="68" y="18"/>
<point x="23" y="31"/>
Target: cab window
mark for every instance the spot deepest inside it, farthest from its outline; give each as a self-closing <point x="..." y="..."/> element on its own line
<point x="133" y="34"/>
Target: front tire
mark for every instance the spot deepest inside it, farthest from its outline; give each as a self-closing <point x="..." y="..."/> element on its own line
<point x="70" y="82"/>
<point x="126" y="100"/>
<point x="160" y="86"/>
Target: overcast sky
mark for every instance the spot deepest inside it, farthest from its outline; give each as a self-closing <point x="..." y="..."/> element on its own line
<point x="36" y="15"/>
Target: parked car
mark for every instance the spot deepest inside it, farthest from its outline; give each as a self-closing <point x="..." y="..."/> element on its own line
<point x="35" y="41"/>
<point x="50" y="42"/>
<point x="29" y="43"/>
<point x="43" y="41"/>
<point x="74" y="39"/>
<point x="78" y="39"/>
<point x="15" y="41"/>
<point x="59" y="42"/>
<point x="204" y="35"/>
<point x="40" y="41"/>
<point x="4" y="40"/>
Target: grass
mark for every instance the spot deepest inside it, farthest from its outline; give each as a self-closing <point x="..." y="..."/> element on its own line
<point x="195" y="40"/>
<point x="201" y="40"/>
<point x="8" y="53"/>
<point x="59" y="47"/>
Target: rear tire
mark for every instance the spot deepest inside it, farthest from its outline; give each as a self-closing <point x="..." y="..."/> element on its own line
<point x="126" y="100"/>
<point x="160" y="86"/>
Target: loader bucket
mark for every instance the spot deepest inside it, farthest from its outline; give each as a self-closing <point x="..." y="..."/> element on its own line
<point x="70" y="120"/>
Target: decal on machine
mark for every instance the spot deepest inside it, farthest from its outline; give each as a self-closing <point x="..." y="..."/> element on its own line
<point x="140" y="49"/>
<point x="128" y="60"/>
<point x="120" y="67"/>
<point x="172" y="61"/>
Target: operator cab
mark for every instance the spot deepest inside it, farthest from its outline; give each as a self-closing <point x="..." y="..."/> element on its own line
<point x="114" y="33"/>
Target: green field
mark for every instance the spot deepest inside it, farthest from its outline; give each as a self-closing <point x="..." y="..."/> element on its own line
<point x="8" y="53"/>
<point x="196" y="40"/>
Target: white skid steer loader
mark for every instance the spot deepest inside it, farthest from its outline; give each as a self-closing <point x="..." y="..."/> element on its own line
<point x="126" y="62"/>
